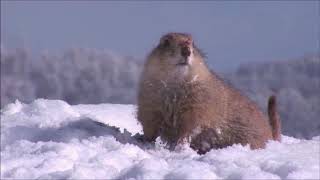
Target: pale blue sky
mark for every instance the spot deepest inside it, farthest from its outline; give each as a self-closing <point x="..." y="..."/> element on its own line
<point x="229" y="32"/>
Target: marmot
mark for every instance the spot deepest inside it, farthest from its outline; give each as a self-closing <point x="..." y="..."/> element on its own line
<point x="180" y="99"/>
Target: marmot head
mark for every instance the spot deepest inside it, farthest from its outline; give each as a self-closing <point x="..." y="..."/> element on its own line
<point x="176" y="56"/>
<point x="177" y="49"/>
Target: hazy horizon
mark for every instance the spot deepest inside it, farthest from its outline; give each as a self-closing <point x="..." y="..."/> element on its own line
<point x="229" y="32"/>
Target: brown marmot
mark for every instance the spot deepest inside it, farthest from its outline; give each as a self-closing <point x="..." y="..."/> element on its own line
<point x="180" y="100"/>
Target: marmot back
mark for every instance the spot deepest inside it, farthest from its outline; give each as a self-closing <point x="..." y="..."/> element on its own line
<point x="181" y="100"/>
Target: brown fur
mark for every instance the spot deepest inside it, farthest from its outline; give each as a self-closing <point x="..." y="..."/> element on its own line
<point x="181" y="102"/>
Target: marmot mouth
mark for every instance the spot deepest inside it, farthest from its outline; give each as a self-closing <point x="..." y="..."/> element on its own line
<point x="183" y="62"/>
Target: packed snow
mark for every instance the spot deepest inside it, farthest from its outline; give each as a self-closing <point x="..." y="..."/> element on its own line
<point x="50" y="139"/>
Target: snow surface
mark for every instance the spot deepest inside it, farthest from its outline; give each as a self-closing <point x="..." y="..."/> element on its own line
<point x="49" y="139"/>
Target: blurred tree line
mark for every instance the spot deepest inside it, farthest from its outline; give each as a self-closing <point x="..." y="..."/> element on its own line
<point x="77" y="76"/>
<point x="91" y="76"/>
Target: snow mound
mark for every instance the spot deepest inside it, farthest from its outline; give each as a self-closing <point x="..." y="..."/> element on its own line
<point x="49" y="139"/>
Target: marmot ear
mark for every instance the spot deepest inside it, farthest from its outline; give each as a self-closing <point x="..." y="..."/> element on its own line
<point x="166" y="41"/>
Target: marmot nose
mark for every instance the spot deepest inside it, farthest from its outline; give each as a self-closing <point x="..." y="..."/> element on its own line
<point x="185" y="51"/>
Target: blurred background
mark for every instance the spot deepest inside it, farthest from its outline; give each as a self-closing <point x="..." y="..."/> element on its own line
<point x="92" y="52"/>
